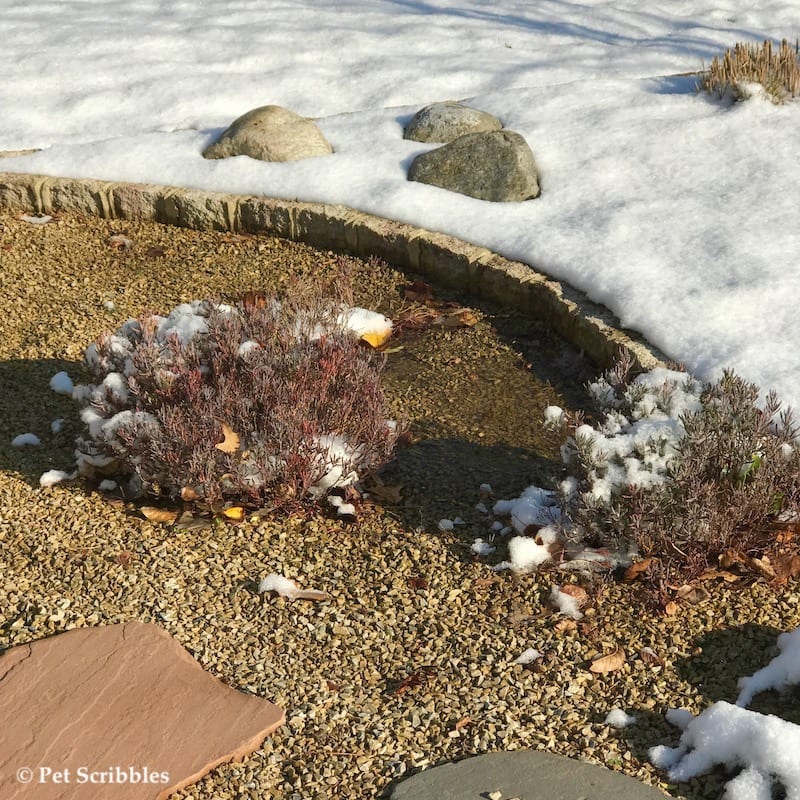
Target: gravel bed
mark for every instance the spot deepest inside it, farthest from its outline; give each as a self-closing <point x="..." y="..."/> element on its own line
<point x="411" y="661"/>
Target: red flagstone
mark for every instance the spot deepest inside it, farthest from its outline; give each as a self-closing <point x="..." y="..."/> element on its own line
<point x="117" y="711"/>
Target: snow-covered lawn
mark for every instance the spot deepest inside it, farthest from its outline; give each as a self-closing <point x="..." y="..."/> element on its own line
<point x="677" y="211"/>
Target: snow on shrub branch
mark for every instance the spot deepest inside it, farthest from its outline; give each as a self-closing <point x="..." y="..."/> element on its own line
<point x="264" y="402"/>
<point x="674" y="469"/>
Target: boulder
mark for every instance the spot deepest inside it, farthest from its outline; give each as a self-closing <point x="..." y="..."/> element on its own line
<point x="270" y="133"/>
<point x="496" y="166"/>
<point x="127" y="705"/>
<point x="443" y="122"/>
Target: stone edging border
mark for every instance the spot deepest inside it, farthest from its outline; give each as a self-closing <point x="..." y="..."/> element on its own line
<point x="445" y="259"/>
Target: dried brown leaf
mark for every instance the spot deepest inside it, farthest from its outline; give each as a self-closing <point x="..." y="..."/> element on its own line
<point x="650" y="657"/>
<point x="636" y="569"/>
<point x="155" y="514"/>
<point x="124" y="558"/>
<point x="610" y="663"/>
<point x="670" y="608"/>
<point x="565" y="625"/>
<point x="577" y="593"/>
<point x="230" y="444"/>
<point x="419" y="292"/>
<point x="417" y="582"/>
<point x="119" y="242"/>
<point x="460" y="318"/>
<point x="187" y="493"/>
<point x="155" y="252"/>
<point x="462" y="723"/>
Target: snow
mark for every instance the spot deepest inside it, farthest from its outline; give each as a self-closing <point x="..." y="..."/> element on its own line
<point x="278" y="583"/>
<point x="481" y="548"/>
<point x="565" y="603"/>
<point x="26" y="440"/>
<point x="764" y="746"/>
<point x="783" y="671"/>
<point x="61" y="383"/>
<point x="528" y="656"/>
<point x="54" y="476"/>
<point x="617" y="718"/>
<point x="676" y="210"/>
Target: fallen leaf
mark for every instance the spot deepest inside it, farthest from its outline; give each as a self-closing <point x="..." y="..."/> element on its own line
<point x="481" y="583"/>
<point x="577" y="593"/>
<point x="236" y="513"/>
<point x="418" y="678"/>
<point x="670" y="608"/>
<point x="417" y="582"/>
<point x="564" y="625"/>
<point x="763" y="566"/>
<point x="610" y="663"/>
<point x="376" y="338"/>
<point x="462" y="723"/>
<point x="720" y="574"/>
<point x="154" y="514"/>
<point x="155" y="252"/>
<point x="230" y="444"/>
<point x="390" y="493"/>
<point x="187" y="493"/>
<point x="419" y="292"/>
<point x="461" y="318"/>
<point x="332" y="686"/>
<point x="650" y="657"/>
<point x="691" y="593"/>
<point x="119" y="242"/>
<point x="124" y="558"/>
<point x="786" y="567"/>
<point x="636" y="569"/>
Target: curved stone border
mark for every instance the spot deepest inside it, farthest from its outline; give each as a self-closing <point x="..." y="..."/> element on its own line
<point x="445" y="259"/>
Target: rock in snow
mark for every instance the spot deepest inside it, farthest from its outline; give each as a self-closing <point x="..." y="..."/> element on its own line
<point x="270" y="133"/>
<point x="496" y="166"/>
<point x="443" y="122"/>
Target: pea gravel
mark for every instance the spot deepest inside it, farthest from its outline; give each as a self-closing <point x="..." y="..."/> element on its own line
<point x="411" y="661"/>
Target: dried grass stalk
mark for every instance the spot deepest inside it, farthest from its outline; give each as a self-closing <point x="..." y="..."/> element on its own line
<point x="777" y="71"/>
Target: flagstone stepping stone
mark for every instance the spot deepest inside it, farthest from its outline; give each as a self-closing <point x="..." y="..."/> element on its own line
<point x="270" y="133"/>
<point x="496" y="166"/>
<point x="524" y="774"/>
<point x="124" y="706"/>
<point x="443" y="122"/>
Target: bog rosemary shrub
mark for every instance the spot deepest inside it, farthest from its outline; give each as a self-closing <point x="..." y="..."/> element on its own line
<point x="743" y="65"/>
<point x="261" y="402"/>
<point x="680" y="472"/>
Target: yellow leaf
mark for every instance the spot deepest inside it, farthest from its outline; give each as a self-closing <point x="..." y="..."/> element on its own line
<point x="376" y="338"/>
<point x="230" y="443"/>
<point x="159" y="514"/>
<point x="608" y="663"/>
<point x="235" y="513"/>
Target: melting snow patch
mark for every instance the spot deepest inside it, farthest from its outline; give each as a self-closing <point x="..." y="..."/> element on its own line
<point x="26" y="440"/>
<point x="566" y="603"/>
<point x="617" y="718"/>
<point x="481" y="548"/>
<point x="529" y="656"/>
<point x="54" y="476"/>
<point x="61" y="383"/>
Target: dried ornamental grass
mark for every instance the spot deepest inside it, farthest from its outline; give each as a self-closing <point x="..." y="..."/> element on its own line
<point x="746" y="64"/>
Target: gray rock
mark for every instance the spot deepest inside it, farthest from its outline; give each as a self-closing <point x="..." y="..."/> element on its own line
<point x="496" y="166"/>
<point x="270" y="133"/>
<point x="443" y="122"/>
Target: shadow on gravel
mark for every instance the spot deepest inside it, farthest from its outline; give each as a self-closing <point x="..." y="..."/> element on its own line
<point x="29" y="405"/>
<point x="720" y="658"/>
